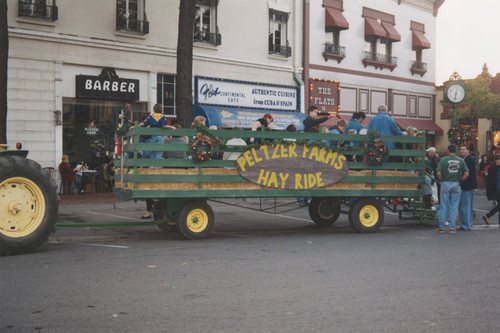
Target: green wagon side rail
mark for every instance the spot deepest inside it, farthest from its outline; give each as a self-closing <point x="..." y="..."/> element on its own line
<point x="372" y="177"/>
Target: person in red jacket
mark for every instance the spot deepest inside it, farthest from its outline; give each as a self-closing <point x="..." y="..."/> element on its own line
<point x="68" y="173"/>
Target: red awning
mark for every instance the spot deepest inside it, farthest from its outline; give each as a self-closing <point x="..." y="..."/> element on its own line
<point x="420" y="124"/>
<point x="335" y="19"/>
<point x="373" y="28"/>
<point x="391" y="32"/>
<point x="419" y="41"/>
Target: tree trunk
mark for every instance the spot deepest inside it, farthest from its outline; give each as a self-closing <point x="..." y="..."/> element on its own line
<point x="4" y="56"/>
<point x="184" y="91"/>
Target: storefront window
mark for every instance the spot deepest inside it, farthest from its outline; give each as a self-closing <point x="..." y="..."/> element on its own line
<point x="89" y="128"/>
<point x="166" y="93"/>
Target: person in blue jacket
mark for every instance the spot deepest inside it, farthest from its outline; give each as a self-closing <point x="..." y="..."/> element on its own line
<point x="384" y="124"/>
<point x="356" y="122"/>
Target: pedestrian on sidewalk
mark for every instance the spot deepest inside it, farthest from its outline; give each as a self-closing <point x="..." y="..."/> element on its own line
<point x="450" y="171"/>
<point x="493" y="189"/>
<point x="468" y="187"/>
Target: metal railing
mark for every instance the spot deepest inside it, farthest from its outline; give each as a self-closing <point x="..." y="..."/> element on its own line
<point x="28" y="8"/>
<point x="285" y="51"/>
<point x="419" y="65"/>
<point x="381" y="58"/>
<point x="131" y="25"/>
<point x="209" y="38"/>
<point x="335" y="50"/>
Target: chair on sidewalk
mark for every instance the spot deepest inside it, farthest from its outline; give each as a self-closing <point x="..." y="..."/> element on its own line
<point x="65" y="187"/>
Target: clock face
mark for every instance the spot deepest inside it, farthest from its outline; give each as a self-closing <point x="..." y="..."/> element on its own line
<point x="455" y="93"/>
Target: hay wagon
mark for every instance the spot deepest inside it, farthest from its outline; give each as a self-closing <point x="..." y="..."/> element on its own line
<point x="283" y="165"/>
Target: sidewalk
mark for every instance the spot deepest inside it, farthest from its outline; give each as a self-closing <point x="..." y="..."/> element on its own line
<point x="88" y="198"/>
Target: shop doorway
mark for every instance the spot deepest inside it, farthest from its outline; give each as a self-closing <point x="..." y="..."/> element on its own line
<point x="89" y="128"/>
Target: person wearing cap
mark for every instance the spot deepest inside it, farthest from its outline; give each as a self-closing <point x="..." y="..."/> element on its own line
<point x="450" y="171"/>
<point x="385" y="125"/>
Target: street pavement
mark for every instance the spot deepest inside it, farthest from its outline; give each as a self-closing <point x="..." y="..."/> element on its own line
<point x="257" y="273"/>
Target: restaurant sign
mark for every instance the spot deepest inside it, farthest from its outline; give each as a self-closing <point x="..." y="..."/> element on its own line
<point x="324" y="94"/>
<point x="241" y="94"/>
<point x="292" y="166"/>
<point x="107" y="86"/>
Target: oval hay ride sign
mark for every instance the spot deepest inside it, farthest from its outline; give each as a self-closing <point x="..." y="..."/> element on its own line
<point x="292" y="166"/>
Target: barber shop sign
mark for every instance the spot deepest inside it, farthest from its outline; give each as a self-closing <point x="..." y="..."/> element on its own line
<point x="107" y="86"/>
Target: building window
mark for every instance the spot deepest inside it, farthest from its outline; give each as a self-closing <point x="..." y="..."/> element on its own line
<point x="419" y="43"/>
<point x="205" y="23"/>
<point x="278" y="39"/>
<point x="131" y="16"/>
<point x="335" y="22"/>
<point x="380" y="34"/>
<point x="44" y="9"/>
<point x="165" y="90"/>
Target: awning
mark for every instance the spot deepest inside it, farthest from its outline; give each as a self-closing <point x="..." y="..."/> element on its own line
<point x="391" y="32"/>
<point x="373" y="28"/>
<point x="244" y="118"/>
<point x="421" y="124"/>
<point x="419" y="41"/>
<point x="335" y="19"/>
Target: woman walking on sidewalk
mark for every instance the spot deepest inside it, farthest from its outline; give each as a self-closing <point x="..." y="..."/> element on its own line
<point x="493" y="189"/>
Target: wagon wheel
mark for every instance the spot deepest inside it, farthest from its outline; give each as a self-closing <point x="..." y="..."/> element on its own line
<point x="195" y="219"/>
<point x="28" y="205"/>
<point x="324" y="211"/>
<point x="163" y="220"/>
<point x="366" y="215"/>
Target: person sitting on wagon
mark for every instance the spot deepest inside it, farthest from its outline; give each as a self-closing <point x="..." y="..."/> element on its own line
<point x="265" y="121"/>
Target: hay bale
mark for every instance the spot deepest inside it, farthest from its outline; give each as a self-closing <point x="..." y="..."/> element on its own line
<point x="396" y="186"/>
<point x="230" y="186"/>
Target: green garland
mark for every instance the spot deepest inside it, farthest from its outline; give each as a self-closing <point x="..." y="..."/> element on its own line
<point x="204" y="139"/>
<point x="376" y="149"/>
<point x="124" y="127"/>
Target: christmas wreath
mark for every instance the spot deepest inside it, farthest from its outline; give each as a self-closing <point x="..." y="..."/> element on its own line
<point x="203" y="146"/>
<point x="376" y="149"/>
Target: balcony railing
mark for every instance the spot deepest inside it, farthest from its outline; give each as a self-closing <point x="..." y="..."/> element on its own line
<point x="208" y="38"/>
<point x="418" y="67"/>
<point x="379" y="60"/>
<point x="334" y="52"/>
<point x="285" y="51"/>
<point x="28" y="8"/>
<point x="131" y="25"/>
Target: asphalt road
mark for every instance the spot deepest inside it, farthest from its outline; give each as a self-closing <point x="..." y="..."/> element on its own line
<point x="257" y="273"/>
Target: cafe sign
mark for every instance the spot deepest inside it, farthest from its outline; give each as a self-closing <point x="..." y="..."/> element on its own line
<point x="242" y="94"/>
<point x="292" y="166"/>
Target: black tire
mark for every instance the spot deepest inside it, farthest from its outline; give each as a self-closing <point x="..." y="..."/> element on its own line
<point x="195" y="220"/>
<point x="324" y="211"/>
<point x="161" y="217"/>
<point x="29" y="205"/>
<point x="366" y="215"/>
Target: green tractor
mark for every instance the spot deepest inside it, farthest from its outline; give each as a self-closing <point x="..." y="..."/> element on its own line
<point x="28" y="203"/>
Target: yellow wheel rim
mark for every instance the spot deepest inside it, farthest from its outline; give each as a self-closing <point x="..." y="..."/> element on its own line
<point x="325" y="211"/>
<point x="368" y="216"/>
<point x="22" y="207"/>
<point x="197" y="220"/>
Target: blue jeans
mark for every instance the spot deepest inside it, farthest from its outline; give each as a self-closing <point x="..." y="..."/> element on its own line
<point x="450" y="198"/>
<point x="466" y="209"/>
<point x="157" y="139"/>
